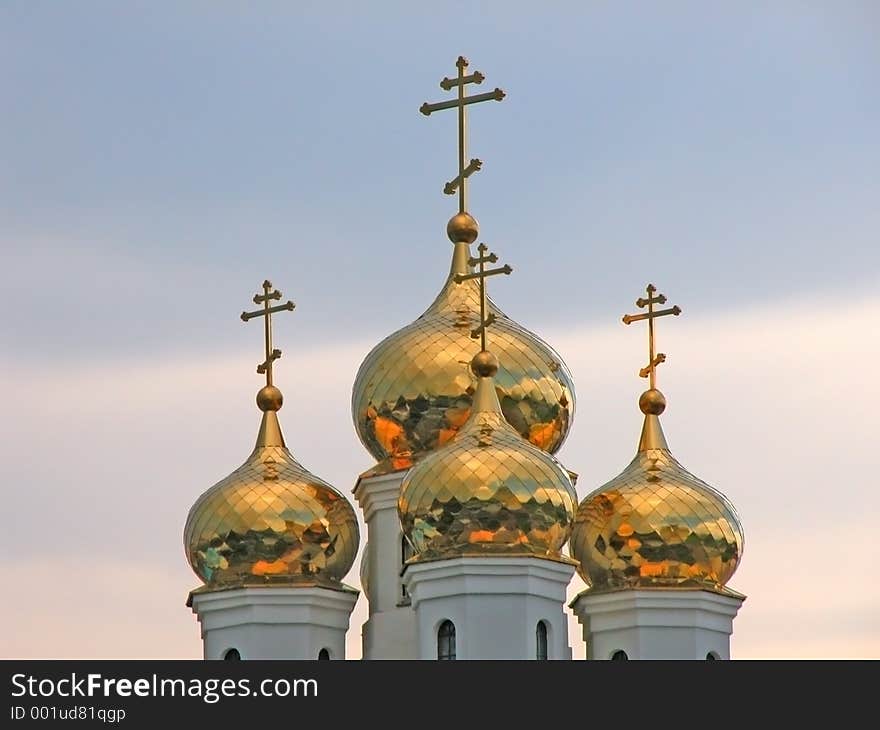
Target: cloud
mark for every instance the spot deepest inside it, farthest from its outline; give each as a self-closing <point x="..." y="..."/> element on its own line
<point x="85" y="606"/>
<point x="771" y="406"/>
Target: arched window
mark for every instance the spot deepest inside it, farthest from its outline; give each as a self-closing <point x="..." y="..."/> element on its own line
<point x="405" y="554"/>
<point x="619" y="656"/>
<point x="446" y="641"/>
<point x="541" y="637"/>
<point x="232" y="655"/>
<point x="323" y="654"/>
<point x="712" y="656"/>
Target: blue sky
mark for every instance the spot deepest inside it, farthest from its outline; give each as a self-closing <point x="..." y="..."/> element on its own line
<point x="183" y="149"/>
<point x="159" y="160"/>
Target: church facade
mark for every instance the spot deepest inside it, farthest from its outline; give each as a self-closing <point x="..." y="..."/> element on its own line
<point x="474" y="527"/>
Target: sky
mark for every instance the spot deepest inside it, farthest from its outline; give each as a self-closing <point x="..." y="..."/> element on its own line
<point x="159" y="160"/>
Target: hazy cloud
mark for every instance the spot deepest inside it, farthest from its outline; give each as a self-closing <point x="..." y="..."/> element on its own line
<point x="771" y="406"/>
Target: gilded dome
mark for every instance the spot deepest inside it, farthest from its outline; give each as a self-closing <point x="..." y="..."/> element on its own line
<point x="656" y="524"/>
<point x="487" y="491"/>
<point x="414" y="390"/>
<point x="271" y="521"/>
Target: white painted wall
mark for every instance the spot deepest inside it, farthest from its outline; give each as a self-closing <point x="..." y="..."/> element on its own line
<point x="390" y="630"/>
<point x="275" y="622"/>
<point x="657" y="623"/>
<point x="495" y="604"/>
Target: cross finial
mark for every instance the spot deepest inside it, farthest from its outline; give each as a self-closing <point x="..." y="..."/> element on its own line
<point x="653" y="360"/>
<point x="484" y="258"/>
<point x="465" y="170"/>
<point x="269" y="294"/>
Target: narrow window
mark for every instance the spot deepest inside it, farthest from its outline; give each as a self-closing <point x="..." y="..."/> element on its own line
<point x="446" y="641"/>
<point x="619" y="656"/>
<point x="405" y="554"/>
<point x="323" y="655"/>
<point x="232" y="655"/>
<point x="541" y="636"/>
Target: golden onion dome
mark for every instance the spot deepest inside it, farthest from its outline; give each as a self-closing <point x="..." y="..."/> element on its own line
<point x="271" y="520"/>
<point x="414" y="390"/>
<point x="656" y="524"/>
<point x="488" y="490"/>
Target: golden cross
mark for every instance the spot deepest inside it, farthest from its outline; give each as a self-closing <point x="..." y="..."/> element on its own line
<point x="481" y="261"/>
<point x="651" y="315"/>
<point x="267" y="296"/>
<point x="464" y="170"/>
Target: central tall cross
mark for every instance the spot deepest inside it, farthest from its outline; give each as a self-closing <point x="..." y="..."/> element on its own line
<point x="482" y="274"/>
<point x="649" y="302"/>
<point x="461" y="81"/>
<point x="268" y="295"/>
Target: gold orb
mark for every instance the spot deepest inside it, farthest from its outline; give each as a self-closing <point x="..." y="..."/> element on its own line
<point x="269" y="398"/>
<point x="656" y="525"/>
<point x="652" y="402"/>
<point x="484" y="364"/>
<point x="462" y="228"/>
<point x="271" y="521"/>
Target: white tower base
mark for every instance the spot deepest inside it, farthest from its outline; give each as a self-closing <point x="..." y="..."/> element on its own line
<point x="274" y="622"/>
<point x="657" y="623"/>
<point x="390" y="630"/>
<point x="495" y="604"/>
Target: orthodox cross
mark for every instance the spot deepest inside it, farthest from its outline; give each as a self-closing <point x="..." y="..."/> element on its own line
<point x="267" y="296"/>
<point x="651" y="315"/>
<point x="461" y="81"/>
<point x="483" y="273"/>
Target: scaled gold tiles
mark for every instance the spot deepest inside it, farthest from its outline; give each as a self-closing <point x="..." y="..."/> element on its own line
<point x="656" y="525"/>
<point x="487" y="492"/>
<point x="271" y="521"/>
<point x="414" y="390"/>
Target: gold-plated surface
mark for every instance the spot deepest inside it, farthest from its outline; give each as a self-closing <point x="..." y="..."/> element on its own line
<point x="414" y="390"/>
<point x="475" y="78"/>
<point x="484" y="365"/>
<point x="494" y="95"/>
<point x="487" y="491"/>
<point x="272" y="354"/>
<point x="653" y="360"/>
<point x="473" y="166"/>
<point x="462" y="228"/>
<point x="269" y="398"/>
<point x="461" y="103"/>
<point x="652" y="402"/>
<point x="656" y="525"/>
<point x="481" y="274"/>
<point x="271" y="520"/>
